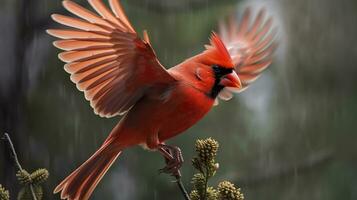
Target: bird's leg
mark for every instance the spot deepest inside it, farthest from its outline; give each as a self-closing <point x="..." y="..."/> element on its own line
<point x="173" y="158"/>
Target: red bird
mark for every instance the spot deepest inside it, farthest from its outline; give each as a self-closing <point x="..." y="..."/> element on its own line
<point x="121" y="75"/>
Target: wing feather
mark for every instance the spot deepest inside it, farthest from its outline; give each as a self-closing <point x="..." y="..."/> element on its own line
<point x="255" y="68"/>
<point x="85" y="14"/>
<point x="89" y="64"/>
<point x="70" y="45"/>
<point x="251" y="46"/>
<point x="99" y="6"/>
<point x="77" y="23"/>
<point x="244" y="25"/>
<point x="256" y="25"/>
<point x="106" y="58"/>
<point x="102" y="69"/>
<point x="119" y="13"/>
<point x="75" y="34"/>
<point x="78" y="56"/>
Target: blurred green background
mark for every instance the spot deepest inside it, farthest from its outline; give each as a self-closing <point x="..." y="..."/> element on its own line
<point x="290" y="136"/>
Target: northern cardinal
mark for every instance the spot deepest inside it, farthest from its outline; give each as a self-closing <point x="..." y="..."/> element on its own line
<point x="120" y="74"/>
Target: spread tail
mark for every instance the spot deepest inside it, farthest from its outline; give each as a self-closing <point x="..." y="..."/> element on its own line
<point x="80" y="184"/>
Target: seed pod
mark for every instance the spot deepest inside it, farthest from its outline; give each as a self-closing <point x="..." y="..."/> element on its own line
<point x="207" y="149"/>
<point x="4" y="194"/>
<point x="227" y="191"/>
<point x="212" y="194"/>
<point x="23" y="177"/>
<point x="199" y="183"/>
<point x="194" y="195"/>
<point x="39" y="176"/>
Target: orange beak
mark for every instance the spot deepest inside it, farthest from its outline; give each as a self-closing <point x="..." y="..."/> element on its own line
<point x="231" y="80"/>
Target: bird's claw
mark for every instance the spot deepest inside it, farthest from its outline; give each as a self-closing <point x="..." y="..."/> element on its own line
<point x="173" y="158"/>
<point x="172" y="168"/>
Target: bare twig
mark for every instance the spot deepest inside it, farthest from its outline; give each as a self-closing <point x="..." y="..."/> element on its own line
<point x="182" y="188"/>
<point x="12" y="151"/>
<point x="16" y="160"/>
<point x="206" y="183"/>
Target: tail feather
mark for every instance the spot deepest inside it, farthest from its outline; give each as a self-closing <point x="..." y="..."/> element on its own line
<point x="94" y="179"/>
<point x="80" y="184"/>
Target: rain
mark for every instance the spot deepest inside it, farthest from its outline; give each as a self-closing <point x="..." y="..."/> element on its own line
<point x="291" y="135"/>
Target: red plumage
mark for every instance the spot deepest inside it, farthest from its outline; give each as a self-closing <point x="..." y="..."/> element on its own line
<point x="218" y="52"/>
<point x="120" y="74"/>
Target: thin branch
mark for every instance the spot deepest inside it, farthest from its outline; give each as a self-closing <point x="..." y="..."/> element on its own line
<point x="16" y="160"/>
<point x="33" y="192"/>
<point x="206" y="183"/>
<point x="10" y="145"/>
<point x="182" y="187"/>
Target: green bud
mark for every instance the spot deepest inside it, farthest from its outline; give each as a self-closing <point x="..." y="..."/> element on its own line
<point x="197" y="164"/>
<point x="199" y="183"/>
<point x="227" y="191"/>
<point x="23" y="177"/>
<point x="4" y="194"/>
<point x="39" y="176"/>
<point x="207" y="149"/>
<point x="212" y="168"/>
<point x="212" y="194"/>
<point x="194" y="195"/>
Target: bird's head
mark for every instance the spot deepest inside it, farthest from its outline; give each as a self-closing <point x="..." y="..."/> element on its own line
<point x="213" y="69"/>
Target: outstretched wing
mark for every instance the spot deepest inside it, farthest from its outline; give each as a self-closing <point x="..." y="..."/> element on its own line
<point x="251" y="47"/>
<point x="106" y="58"/>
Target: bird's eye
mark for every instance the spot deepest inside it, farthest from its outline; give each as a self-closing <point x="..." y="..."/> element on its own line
<point x="220" y="71"/>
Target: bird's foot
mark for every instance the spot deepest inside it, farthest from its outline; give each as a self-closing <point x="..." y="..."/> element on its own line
<point x="173" y="158"/>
